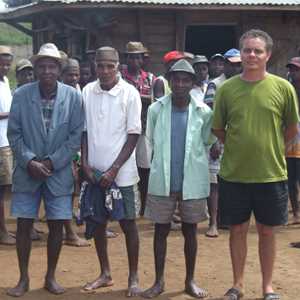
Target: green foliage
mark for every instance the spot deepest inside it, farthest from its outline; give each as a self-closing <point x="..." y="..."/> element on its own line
<point x="11" y="36"/>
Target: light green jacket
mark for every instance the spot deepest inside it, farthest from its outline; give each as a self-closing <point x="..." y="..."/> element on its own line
<point x="196" y="173"/>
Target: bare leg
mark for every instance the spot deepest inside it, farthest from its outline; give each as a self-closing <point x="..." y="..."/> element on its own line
<point x="190" y="253"/>
<point x="132" y="244"/>
<point x="294" y="198"/>
<point x="72" y="238"/>
<point x="54" y="245"/>
<point x="267" y="253"/>
<point x="5" y="237"/>
<point x="160" y="250"/>
<point x="212" y="204"/>
<point x="23" y="243"/>
<point x="143" y="187"/>
<point x="238" y="251"/>
<point x="104" y="278"/>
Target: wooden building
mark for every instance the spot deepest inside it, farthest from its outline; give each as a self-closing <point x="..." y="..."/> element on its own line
<point x="198" y="26"/>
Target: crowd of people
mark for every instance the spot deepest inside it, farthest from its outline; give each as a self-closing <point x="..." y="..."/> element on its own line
<point x="211" y="138"/>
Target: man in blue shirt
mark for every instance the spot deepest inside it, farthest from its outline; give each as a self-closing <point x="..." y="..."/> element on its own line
<point x="178" y="129"/>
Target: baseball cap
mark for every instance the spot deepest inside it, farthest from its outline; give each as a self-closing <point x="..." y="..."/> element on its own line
<point x="233" y="55"/>
<point x="295" y="61"/>
<point x="23" y="64"/>
<point x="173" y="55"/>
<point x="217" y="55"/>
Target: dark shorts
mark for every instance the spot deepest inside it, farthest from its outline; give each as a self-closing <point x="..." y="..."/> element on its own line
<point x="293" y="167"/>
<point x="267" y="201"/>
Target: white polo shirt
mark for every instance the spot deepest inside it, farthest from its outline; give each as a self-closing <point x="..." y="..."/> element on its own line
<point x="109" y="117"/>
<point x="5" y="103"/>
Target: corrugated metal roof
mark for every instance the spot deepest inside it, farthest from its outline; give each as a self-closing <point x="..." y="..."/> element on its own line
<point x="188" y="2"/>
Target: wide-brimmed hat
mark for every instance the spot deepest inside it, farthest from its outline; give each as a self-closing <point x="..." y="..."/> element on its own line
<point x="5" y="50"/>
<point x="47" y="50"/>
<point x="295" y="61"/>
<point x="135" y="48"/>
<point x="200" y="59"/>
<point x="182" y="66"/>
<point x="23" y="64"/>
<point x="233" y="55"/>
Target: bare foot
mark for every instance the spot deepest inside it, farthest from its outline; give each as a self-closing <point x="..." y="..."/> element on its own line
<point x="193" y="290"/>
<point x="20" y="289"/>
<point x="53" y="287"/>
<point x="154" y="291"/>
<point x="133" y="288"/>
<point x="102" y="281"/>
<point x="7" y="239"/>
<point x="35" y="235"/>
<point x="212" y="232"/>
<point x="76" y="241"/>
<point x="111" y="234"/>
<point x="295" y="220"/>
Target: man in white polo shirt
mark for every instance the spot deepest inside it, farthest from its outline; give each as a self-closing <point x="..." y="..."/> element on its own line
<point x="113" y="125"/>
<point x="6" y="158"/>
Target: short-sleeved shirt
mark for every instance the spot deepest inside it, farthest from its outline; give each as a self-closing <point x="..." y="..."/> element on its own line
<point x="110" y="117"/>
<point x="5" y="103"/>
<point x="179" y="119"/>
<point x="254" y="115"/>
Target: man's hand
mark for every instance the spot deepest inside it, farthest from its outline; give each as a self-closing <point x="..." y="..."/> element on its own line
<point x="109" y="176"/>
<point x="88" y="173"/>
<point x="215" y="151"/>
<point x="48" y="164"/>
<point x="38" y="170"/>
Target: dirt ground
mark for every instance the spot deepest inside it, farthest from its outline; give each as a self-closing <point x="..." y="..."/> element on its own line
<point x="213" y="271"/>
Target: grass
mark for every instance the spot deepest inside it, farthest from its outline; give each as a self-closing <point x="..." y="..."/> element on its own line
<point x="11" y="36"/>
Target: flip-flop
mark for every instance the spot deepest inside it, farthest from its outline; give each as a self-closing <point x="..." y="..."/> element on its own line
<point x="271" y="296"/>
<point x="295" y="245"/>
<point x="233" y="294"/>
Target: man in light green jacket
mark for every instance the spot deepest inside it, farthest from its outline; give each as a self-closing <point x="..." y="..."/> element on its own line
<point x="178" y="129"/>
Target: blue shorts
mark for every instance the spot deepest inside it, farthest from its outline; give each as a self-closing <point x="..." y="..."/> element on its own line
<point x="27" y="205"/>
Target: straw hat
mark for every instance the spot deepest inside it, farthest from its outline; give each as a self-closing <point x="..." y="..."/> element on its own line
<point x="47" y="50"/>
<point x="5" y="50"/>
<point x="135" y="48"/>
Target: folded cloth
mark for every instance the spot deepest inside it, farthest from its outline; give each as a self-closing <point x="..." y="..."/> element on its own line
<point x="98" y="205"/>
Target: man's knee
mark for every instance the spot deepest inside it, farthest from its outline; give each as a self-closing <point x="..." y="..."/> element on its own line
<point x="239" y="229"/>
<point x="128" y="227"/>
<point x="55" y="226"/>
<point x="24" y="226"/>
<point x="189" y="230"/>
<point x="162" y="230"/>
<point x="265" y="231"/>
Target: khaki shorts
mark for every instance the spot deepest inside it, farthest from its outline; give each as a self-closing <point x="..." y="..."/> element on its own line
<point x="161" y="209"/>
<point x="6" y="166"/>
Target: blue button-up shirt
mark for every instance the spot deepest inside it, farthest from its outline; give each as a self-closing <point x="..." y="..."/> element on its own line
<point x="198" y="136"/>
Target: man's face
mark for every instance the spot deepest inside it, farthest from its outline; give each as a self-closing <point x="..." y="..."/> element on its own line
<point x="107" y="72"/>
<point x="294" y="72"/>
<point x="216" y="67"/>
<point x="47" y="70"/>
<point x="135" y="61"/>
<point x="71" y="76"/>
<point x="5" y="64"/>
<point x="25" y="76"/>
<point x="181" y="84"/>
<point x="254" y="54"/>
<point x="232" y="69"/>
<point x="85" y="74"/>
<point x="201" y="70"/>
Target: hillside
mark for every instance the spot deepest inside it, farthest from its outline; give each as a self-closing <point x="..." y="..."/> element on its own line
<point x="11" y="36"/>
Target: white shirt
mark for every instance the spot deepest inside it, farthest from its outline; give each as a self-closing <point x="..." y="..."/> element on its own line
<point x="5" y="103"/>
<point x="110" y="117"/>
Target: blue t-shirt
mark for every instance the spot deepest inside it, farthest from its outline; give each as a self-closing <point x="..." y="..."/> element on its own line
<point x="179" y="121"/>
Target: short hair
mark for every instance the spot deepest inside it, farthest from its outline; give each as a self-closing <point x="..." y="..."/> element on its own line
<point x="257" y="33"/>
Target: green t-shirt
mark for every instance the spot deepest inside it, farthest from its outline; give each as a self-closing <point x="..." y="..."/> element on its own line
<point x="254" y="115"/>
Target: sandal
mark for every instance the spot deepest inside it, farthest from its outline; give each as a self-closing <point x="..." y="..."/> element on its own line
<point x="234" y="294"/>
<point x="271" y="296"/>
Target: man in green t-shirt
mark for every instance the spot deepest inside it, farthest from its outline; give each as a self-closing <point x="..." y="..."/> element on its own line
<point x="256" y="115"/>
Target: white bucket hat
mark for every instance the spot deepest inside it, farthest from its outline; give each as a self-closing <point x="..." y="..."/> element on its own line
<point x="47" y="50"/>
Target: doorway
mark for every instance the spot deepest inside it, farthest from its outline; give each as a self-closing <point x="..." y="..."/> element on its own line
<point x="209" y="40"/>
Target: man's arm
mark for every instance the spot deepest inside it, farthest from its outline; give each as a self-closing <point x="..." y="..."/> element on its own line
<point x="108" y="177"/>
<point x="290" y="132"/>
<point x="220" y="134"/>
<point x="22" y="153"/>
<point x="4" y="115"/>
